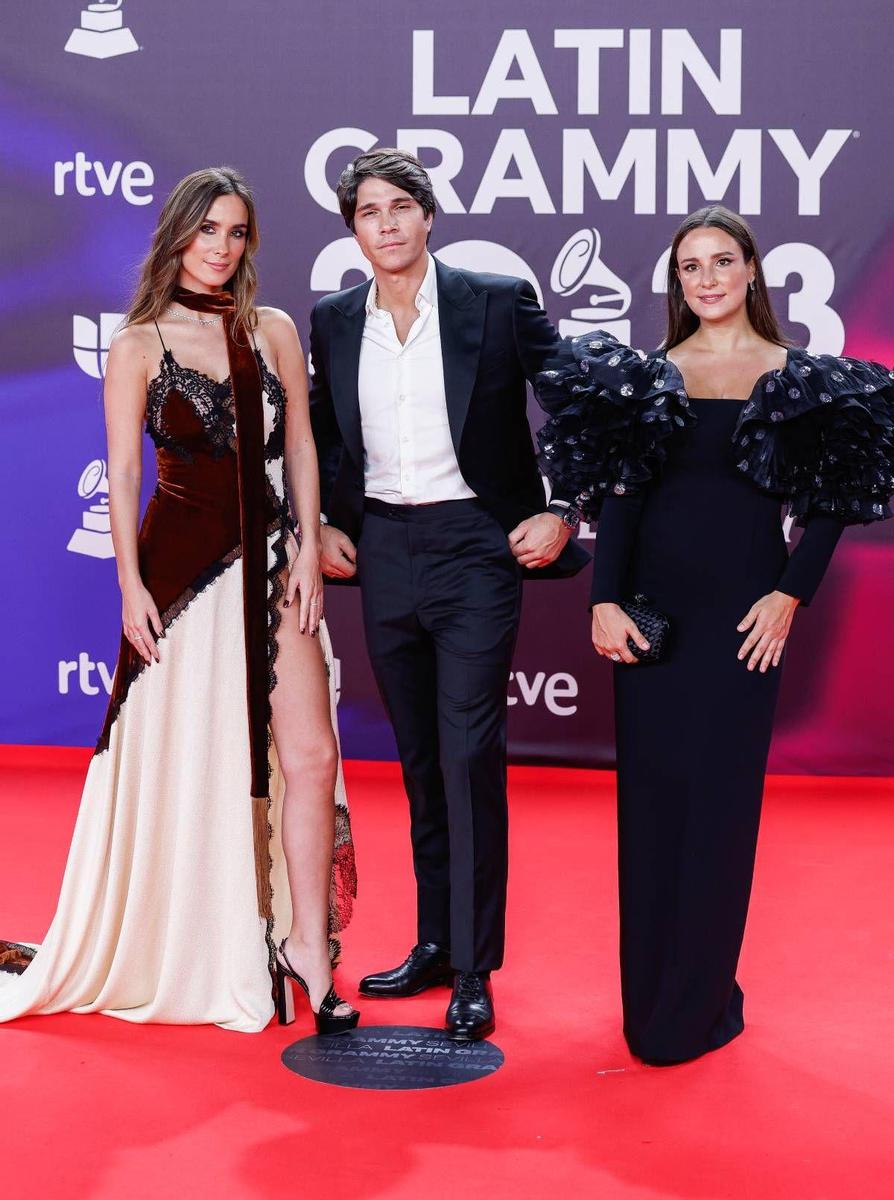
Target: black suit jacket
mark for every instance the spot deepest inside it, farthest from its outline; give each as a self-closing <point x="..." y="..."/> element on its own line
<point x="494" y="336"/>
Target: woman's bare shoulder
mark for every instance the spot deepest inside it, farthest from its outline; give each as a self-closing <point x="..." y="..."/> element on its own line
<point x="278" y="327"/>
<point x="139" y="338"/>
<point x="134" y="349"/>
<point x="274" y="319"/>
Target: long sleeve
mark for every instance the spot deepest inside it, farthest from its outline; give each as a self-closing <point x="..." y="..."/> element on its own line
<point x="615" y="538"/>
<point x="808" y="561"/>
<point x="327" y="435"/>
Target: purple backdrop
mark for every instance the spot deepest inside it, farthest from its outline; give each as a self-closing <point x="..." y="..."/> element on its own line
<point x="566" y="141"/>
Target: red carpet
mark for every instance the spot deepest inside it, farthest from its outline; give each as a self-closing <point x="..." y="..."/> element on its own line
<point x="800" y="1107"/>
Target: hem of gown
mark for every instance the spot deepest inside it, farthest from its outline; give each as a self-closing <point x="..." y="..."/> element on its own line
<point x="124" y="1014"/>
<point x="728" y="1027"/>
<point x="654" y="1061"/>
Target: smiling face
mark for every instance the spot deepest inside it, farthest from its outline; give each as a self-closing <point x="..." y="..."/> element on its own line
<point x="390" y="226"/>
<point x="211" y="258"/>
<point x="713" y="273"/>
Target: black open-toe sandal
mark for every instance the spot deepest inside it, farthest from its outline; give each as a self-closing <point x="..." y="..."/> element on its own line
<point x="325" y="1020"/>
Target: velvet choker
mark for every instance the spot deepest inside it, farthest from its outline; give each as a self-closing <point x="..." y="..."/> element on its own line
<point x="207" y="302"/>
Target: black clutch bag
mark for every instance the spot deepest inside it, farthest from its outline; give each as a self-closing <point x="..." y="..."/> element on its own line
<point x="652" y="624"/>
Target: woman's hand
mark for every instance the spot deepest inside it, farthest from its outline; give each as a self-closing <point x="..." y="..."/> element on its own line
<point x="769" y="620"/>
<point x="611" y="629"/>
<point x="306" y="579"/>
<point x="142" y="624"/>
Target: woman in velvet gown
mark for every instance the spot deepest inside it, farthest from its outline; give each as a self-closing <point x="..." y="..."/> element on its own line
<point x="213" y="831"/>
<point x="684" y="455"/>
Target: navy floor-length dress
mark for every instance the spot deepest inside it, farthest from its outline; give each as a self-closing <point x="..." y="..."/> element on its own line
<point x="683" y="523"/>
<point x="693" y="731"/>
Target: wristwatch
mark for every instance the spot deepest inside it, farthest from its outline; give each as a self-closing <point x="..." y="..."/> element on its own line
<point x="569" y="514"/>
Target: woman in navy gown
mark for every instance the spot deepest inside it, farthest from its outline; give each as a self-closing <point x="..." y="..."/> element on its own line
<point x="688" y="453"/>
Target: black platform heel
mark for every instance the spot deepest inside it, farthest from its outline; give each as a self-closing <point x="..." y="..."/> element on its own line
<point x="325" y="1020"/>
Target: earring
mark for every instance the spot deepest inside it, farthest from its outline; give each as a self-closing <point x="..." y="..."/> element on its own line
<point x="751" y="285"/>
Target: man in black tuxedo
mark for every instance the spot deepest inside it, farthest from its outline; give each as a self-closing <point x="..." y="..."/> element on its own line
<point x="434" y="502"/>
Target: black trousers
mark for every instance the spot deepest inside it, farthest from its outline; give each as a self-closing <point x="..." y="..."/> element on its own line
<point x="441" y="604"/>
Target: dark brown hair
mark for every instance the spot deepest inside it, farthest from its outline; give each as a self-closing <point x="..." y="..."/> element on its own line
<point x="180" y="220"/>
<point x="681" y="320"/>
<point x="395" y="166"/>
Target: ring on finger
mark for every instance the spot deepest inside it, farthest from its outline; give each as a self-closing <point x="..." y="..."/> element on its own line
<point x="615" y="657"/>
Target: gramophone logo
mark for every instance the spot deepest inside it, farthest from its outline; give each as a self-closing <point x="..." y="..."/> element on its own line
<point x="94" y="537"/>
<point x="102" y="32"/>
<point x="91" y="342"/>
<point x="578" y="265"/>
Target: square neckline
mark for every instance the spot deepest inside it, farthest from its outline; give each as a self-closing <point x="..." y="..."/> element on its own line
<point x="774" y="372"/>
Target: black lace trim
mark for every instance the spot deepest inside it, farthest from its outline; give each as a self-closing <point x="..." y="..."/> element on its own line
<point x="211" y="400"/>
<point x="277" y="576"/>
<point x="276" y="396"/>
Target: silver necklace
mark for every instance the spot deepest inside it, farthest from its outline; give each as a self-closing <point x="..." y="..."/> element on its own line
<point x="179" y="316"/>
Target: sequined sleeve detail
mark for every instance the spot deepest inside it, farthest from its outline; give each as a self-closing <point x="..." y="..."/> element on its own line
<point x="820" y="435"/>
<point x="612" y="411"/>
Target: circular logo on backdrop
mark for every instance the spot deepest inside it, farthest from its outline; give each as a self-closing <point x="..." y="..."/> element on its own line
<point x="391" y="1058"/>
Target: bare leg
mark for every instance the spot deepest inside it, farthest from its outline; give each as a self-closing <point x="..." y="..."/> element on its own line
<point x="308" y="756"/>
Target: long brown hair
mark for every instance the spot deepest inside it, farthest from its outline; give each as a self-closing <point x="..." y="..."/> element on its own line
<point x="178" y="223"/>
<point x="681" y="320"/>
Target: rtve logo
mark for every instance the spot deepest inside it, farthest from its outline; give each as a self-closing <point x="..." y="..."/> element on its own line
<point x="102" y="33"/>
<point x="90" y="177"/>
<point x="79" y="674"/>
<point x="555" y="691"/>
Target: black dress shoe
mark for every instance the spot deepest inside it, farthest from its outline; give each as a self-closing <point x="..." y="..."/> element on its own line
<point x="470" y="1014"/>
<point x="426" y="966"/>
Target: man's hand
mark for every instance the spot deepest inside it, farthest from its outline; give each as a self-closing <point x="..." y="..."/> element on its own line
<point x="338" y="559"/>
<point x="539" y="540"/>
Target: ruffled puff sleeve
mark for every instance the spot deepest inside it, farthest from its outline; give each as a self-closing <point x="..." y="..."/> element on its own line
<point x="820" y="435"/>
<point x="611" y="412"/>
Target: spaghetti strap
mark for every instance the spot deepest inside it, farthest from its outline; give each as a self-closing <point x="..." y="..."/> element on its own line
<point x="160" y="338"/>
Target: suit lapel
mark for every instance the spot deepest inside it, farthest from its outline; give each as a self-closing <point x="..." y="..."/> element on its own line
<point x="344" y="365"/>
<point x="461" y="318"/>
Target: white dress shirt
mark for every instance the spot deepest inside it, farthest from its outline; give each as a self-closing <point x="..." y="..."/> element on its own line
<point x="408" y="452"/>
